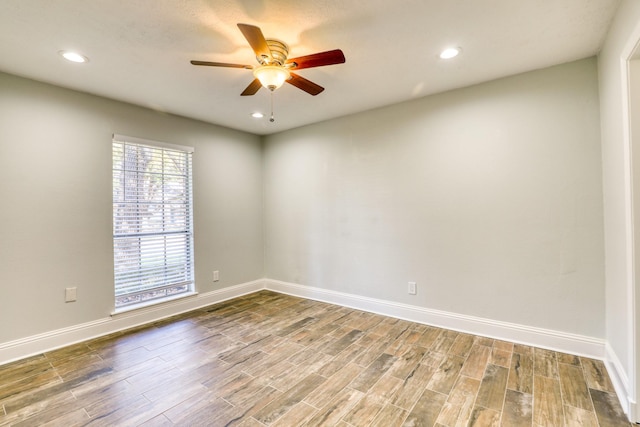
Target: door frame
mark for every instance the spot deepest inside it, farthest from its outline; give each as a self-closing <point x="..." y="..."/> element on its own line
<point x="630" y="59"/>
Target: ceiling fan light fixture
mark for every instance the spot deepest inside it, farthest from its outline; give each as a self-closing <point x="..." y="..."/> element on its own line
<point x="272" y="76"/>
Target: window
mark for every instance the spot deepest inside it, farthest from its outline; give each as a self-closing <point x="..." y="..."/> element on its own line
<point x="152" y="220"/>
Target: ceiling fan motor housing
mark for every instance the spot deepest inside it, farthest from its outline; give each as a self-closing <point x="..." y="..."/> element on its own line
<point x="279" y="53"/>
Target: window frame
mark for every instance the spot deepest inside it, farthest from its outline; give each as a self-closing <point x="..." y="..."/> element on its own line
<point x="143" y="297"/>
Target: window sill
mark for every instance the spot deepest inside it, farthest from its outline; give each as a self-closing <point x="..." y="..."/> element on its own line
<point x="151" y="304"/>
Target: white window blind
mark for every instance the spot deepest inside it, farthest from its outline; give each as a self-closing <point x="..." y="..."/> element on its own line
<point x="152" y="220"/>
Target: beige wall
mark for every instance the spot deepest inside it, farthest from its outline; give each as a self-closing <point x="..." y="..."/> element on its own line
<point x="489" y="197"/>
<point x="55" y="187"/>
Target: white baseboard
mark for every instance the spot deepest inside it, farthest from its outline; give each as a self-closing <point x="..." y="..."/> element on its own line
<point x="553" y="340"/>
<point x="37" y="344"/>
<point x="545" y="338"/>
<point x="620" y="381"/>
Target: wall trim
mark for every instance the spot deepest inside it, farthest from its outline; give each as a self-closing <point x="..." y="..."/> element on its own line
<point x="36" y="344"/>
<point x="545" y="338"/>
<point x="629" y="48"/>
<point x="620" y="381"/>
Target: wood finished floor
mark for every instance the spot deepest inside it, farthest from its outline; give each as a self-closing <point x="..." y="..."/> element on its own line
<point x="276" y="360"/>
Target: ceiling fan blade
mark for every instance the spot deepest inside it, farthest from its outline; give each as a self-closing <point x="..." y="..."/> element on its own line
<point x="304" y="84"/>
<point x="329" y="57"/>
<point x="222" y="64"/>
<point x="253" y="87"/>
<point x="256" y="40"/>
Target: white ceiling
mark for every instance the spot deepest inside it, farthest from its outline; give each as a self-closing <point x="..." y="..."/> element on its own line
<point x="140" y="50"/>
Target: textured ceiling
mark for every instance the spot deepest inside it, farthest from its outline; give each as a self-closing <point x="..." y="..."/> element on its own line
<point x="139" y="50"/>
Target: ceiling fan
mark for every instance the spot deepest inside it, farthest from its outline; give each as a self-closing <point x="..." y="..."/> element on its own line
<point x="275" y="67"/>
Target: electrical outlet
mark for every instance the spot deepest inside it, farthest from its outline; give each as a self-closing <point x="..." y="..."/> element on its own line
<point x="70" y="294"/>
<point x="412" y="288"/>
<point x="216" y="276"/>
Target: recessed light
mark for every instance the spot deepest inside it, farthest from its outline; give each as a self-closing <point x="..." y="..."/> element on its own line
<point x="450" y="52"/>
<point x="257" y="115"/>
<point x="73" y="56"/>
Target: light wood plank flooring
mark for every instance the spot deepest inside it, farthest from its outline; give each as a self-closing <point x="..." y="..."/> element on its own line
<point x="268" y="359"/>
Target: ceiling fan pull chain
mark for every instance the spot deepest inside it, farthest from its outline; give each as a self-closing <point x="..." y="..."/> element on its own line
<point x="272" y="119"/>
